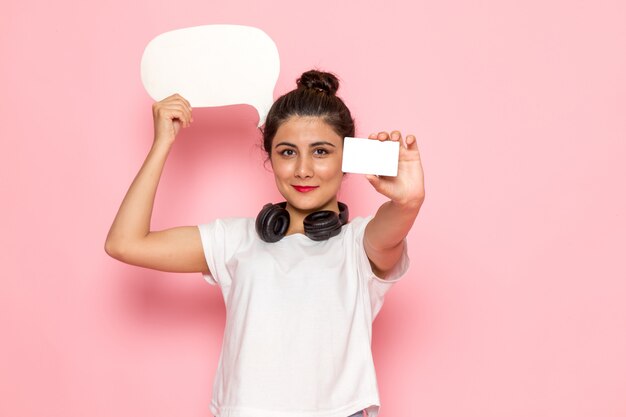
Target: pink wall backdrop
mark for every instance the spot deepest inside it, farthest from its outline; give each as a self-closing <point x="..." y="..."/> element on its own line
<point x="514" y="304"/>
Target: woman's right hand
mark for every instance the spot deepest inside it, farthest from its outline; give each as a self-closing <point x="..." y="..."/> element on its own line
<point x="170" y="114"/>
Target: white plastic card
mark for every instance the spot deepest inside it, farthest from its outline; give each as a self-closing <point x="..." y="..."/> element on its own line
<point x="213" y="65"/>
<point x="370" y="156"/>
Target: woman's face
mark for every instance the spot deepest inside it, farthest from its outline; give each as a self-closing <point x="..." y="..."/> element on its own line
<point x="306" y="159"/>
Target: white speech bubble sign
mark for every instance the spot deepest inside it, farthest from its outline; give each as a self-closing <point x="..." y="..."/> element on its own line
<point x="370" y="156"/>
<point x="213" y="65"/>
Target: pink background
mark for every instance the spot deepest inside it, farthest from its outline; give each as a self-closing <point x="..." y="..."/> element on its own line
<point x="515" y="301"/>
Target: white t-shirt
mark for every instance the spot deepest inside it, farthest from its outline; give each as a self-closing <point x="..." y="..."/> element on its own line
<point x="297" y="340"/>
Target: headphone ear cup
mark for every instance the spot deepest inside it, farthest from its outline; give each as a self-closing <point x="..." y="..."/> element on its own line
<point x="272" y="223"/>
<point x="324" y="224"/>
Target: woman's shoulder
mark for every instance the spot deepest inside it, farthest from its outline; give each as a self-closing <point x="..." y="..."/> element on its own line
<point x="231" y="220"/>
<point x="230" y="224"/>
<point x="356" y="225"/>
<point x="359" y="221"/>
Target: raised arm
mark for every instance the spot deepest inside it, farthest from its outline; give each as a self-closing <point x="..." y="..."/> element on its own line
<point x="130" y="239"/>
<point x="385" y="233"/>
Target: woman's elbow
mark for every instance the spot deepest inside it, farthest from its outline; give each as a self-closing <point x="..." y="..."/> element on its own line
<point x="114" y="249"/>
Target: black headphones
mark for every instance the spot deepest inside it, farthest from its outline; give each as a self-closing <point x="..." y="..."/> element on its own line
<point x="273" y="221"/>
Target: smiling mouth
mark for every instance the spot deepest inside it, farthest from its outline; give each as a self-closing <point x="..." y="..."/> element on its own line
<point x="303" y="189"/>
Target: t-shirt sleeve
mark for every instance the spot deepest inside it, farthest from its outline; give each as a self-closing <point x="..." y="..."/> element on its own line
<point x="220" y="240"/>
<point x="377" y="286"/>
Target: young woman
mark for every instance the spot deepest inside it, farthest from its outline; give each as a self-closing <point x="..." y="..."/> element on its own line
<point x="301" y="283"/>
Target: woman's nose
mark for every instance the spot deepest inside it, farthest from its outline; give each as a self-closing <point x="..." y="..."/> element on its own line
<point x="304" y="168"/>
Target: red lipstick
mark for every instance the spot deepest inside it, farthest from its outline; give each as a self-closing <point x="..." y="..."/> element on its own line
<point x="303" y="189"/>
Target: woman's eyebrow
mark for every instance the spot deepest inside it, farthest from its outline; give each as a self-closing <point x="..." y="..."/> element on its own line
<point x="310" y="145"/>
<point x="285" y="144"/>
<point x="321" y="143"/>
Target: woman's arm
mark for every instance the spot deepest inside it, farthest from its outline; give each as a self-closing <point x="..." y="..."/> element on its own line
<point x="130" y="239"/>
<point x="385" y="233"/>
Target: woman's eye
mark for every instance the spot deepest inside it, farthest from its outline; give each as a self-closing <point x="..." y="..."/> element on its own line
<point x="320" y="151"/>
<point x="287" y="152"/>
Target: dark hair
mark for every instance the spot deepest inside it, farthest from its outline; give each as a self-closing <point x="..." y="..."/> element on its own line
<point x="314" y="96"/>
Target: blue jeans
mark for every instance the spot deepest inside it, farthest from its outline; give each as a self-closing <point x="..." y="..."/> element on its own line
<point x="357" y="414"/>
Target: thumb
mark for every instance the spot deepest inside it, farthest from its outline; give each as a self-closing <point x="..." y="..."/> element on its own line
<point x="374" y="180"/>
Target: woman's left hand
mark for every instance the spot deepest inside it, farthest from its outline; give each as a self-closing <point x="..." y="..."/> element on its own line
<point x="408" y="187"/>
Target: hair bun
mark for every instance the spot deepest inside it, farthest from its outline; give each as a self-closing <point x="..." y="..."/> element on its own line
<point x="318" y="80"/>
